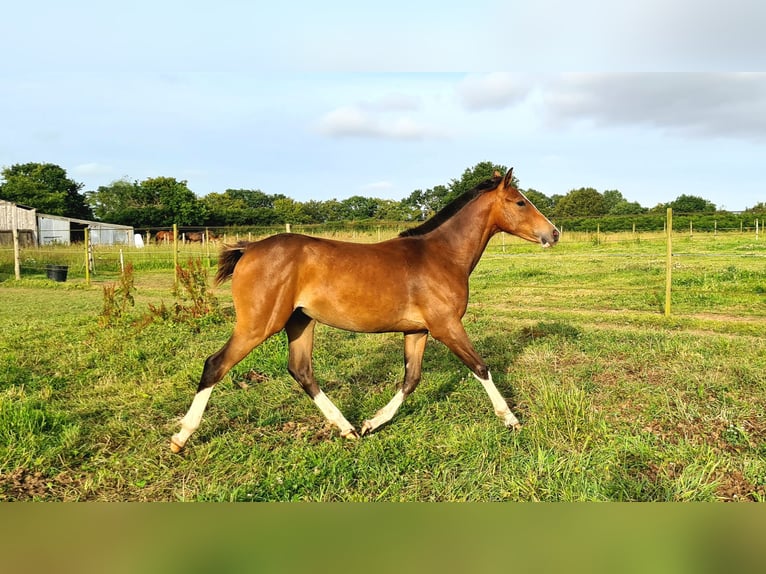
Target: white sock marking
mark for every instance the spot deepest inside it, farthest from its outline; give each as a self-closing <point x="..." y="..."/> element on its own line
<point x="498" y="402"/>
<point x="332" y="413"/>
<point x="385" y="414"/>
<point x="193" y="417"/>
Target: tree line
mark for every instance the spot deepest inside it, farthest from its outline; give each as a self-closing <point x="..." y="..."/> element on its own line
<point x="163" y="201"/>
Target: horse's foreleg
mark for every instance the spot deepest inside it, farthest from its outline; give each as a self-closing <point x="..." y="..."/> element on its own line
<point x="414" y="347"/>
<point x="300" y="335"/>
<point x="333" y="414"/>
<point x="216" y="367"/>
<point x="456" y="339"/>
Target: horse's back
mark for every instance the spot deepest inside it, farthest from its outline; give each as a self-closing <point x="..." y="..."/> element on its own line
<point x="354" y="286"/>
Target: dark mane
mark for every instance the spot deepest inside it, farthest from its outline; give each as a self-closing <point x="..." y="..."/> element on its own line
<point x="452" y="208"/>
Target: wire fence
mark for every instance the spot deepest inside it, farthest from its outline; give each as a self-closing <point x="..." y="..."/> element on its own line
<point x="617" y="270"/>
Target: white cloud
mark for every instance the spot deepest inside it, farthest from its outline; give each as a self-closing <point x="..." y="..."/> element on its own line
<point x="491" y="91"/>
<point x="351" y="121"/>
<point x="709" y="105"/>
<point x="347" y="121"/>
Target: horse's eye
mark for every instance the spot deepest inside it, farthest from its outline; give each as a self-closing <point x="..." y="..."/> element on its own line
<point x="521" y="203"/>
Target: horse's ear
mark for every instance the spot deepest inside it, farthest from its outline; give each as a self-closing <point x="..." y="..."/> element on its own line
<point x="508" y="178"/>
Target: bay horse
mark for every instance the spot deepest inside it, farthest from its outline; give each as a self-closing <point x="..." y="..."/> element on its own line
<point x="200" y="236"/>
<point x="163" y="237"/>
<point x="416" y="284"/>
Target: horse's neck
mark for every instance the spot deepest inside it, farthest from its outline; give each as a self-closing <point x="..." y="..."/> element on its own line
<point x="464" y="236"/>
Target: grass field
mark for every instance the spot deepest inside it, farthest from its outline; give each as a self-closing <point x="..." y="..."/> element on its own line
<point x="618" y="402"/>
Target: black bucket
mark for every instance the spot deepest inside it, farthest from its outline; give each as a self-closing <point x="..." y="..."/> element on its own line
<point x="57" y="272"/>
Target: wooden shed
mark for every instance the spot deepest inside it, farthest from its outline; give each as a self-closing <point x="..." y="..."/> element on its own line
<point x="23" y="218"/>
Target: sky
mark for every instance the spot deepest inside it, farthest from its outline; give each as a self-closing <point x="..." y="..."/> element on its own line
<point x="335" y="99"/>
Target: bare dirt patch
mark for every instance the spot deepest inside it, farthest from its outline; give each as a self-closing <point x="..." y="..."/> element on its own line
<point x="734" y="487"/>
<point x="309" y="432"/>
<point x="22" y="484"/>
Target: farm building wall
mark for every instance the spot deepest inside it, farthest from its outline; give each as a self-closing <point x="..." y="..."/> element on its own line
<point x="40" y="228"/>
<point x="26" y="224"/>
<point x="57" y="229"/>
<point x="104" y="234"/>
<point x="53" y="230"/>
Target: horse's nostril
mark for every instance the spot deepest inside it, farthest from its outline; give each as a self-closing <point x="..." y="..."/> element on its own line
<point x="555" y="234"/>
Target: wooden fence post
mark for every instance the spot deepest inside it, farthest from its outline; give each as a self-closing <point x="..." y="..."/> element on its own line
<point x="669" y="262"/>
<point x="15" y="235"/>
<point x="206" y="239"/>
<point x="16" y="251"/>
<point x="87" y="256"/>
<point x="175" y="256"/>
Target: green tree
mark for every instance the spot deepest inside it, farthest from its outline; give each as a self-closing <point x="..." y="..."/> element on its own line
<point x="154" y="202"/>
<point x="612" y="198"/>
<point x="391" y="210"/>
<point x="426" y="203"/>
<point x="422" y="204"/>
<point x="627" y="208"/>
<point x="324" y="211"/>
<point x="46" y="187"/>
<point x="472" y="177"/>
<point x="240" y="207"/>
<point x="585" y="201"/>
<point x="691" y="204"/>
<point x="616" y="204"/>
<point x="111" y="202"/>
<point x="224" y="210"/>
<point x="288" y="210"/>
<point x="359" y="207"/>
<point x="252" y="198"/>
<point x="175" y="202"/>
<point x="414" y="202"/>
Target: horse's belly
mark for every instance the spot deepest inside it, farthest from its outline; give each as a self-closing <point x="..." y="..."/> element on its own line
<point x="373" y="315"/>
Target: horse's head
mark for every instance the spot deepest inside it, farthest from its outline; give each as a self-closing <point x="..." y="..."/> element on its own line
<point x="515" y="214"/>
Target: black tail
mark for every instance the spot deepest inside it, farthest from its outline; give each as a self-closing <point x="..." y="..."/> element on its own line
<point x="227" y="261"/>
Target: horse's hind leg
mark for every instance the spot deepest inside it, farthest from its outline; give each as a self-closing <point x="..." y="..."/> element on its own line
<point x="216" y="366"/>
<point x="300" y="334"/>
<point x="414" y="347"/>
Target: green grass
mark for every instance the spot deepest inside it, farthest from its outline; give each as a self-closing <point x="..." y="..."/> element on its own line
<point x="618" y="402"/>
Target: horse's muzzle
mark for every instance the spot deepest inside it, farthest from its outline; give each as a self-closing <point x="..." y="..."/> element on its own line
<point x="550" y="239"/>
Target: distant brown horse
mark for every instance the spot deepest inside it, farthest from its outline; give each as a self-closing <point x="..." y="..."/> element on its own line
<point x="416" y="284"/>
<point x="163" y="237"/>
<point x="199" y="236"/>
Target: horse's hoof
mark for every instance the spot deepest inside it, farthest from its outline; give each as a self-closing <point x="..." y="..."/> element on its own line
<point x="366" y="427"/>
<point x="350" y="434"/>
<point x="174" y="446"/>
<point x="514" y="426"/>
